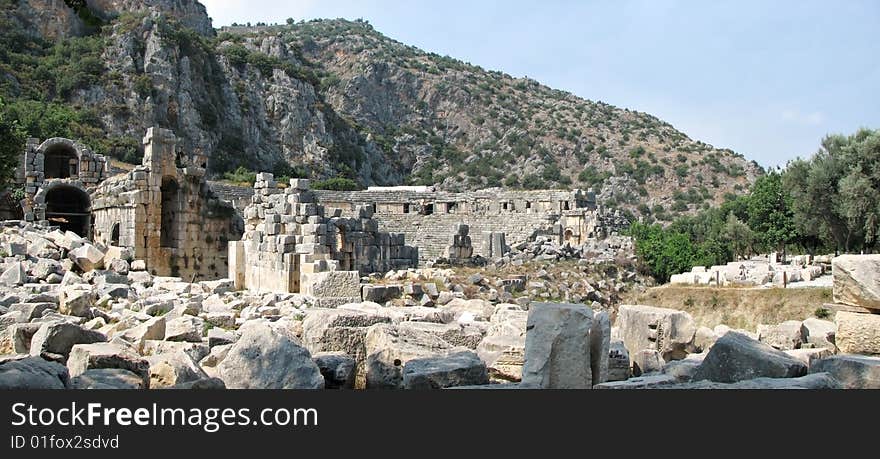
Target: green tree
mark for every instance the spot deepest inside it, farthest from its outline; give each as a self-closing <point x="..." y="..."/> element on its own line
<point x="12" y="141"/>
<point x="770" y="214"/>
<point x="739" y="234"/>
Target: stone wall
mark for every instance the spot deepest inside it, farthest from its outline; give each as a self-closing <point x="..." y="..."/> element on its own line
<point x="165" y="211"/>
<point x="429" y="218"/>
<point x="55" y="162"/>
<point x="293" y="244"/>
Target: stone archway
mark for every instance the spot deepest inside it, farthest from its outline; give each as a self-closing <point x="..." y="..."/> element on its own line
<point x="61" y="158"/>
<point x="68" y="207"/>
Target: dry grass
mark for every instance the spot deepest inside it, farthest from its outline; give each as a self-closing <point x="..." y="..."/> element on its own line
<point x="737" y="307"/>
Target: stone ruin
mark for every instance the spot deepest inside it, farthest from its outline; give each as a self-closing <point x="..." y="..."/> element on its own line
<point x="163" y="212"/>
<point x="430" y="218"/>
<point x="461" y="249"/>
<point x="293" y="244"/>
<point x="56" y="177"/>
<point x="166" y="213"/>
<point x="758" y="271"/>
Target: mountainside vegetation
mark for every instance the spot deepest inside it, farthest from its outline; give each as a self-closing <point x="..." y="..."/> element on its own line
<point x="336" y="99"/>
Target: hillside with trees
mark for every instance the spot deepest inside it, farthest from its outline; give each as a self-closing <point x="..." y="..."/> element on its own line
<point x="828" y="203"/>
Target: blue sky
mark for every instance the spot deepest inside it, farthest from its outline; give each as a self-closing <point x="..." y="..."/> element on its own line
<point x="767" y="79"/>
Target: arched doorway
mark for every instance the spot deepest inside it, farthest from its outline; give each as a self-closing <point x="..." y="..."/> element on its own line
<point x="170" y="210"/>
<point x="60" y="161"/>
<point x="69" y="208"/>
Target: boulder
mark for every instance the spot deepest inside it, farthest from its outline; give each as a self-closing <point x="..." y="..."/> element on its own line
<point x="458" y="369"/>
<point x="32" y="311"/>
<point x="14" y="275"/>
<point x="810" y="382"/>
<point x="197" y="351"/>
<point x="469" y="310"/>
<point x="76" y="300"/>
<point x="737" y="357"/>
<point x="647" y="361"/>
<point x="173" y="368"/>
<point x="32" y="373"/>
<point x="784" y="336"/>
<point x="704" y="338"/>
<point x="686" y="368"/>
<point x="219" y="337"/>
<point x="87" y="257"/>
<point x="389" y="347"/>
<point x="152" y="329"/>
<point x="809" y="355"/>
<point x="58" y="338"/>
<point x="600" y="346"/>
<point x="857" y="333"/>
<point x="853" y="371"/>
<point x="107" y="378"/>
<point x="45" y="267"/>
<point x="264" y="358"/>
<point x="619" y="364"/>
<point x="857" y="280"/>
<point x="16" y="339"/>
<point x="641" y="382"/>
<point x="330" y="330"/>
<point x="820" y="333"/>
<point x="84" y="357"/>
<point x="503" y="348"/>
<point x="185" y="328"/>
<point x="668" y="331"/>
<point x="557" y="348"/>
<point x="338" y="369"/>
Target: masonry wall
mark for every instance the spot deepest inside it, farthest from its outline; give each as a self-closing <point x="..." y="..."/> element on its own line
<point x="428" y="219"/>
<point x="193" y="242"/>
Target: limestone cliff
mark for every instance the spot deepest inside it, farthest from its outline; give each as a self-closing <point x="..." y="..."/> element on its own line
<point x="337" y="98"/>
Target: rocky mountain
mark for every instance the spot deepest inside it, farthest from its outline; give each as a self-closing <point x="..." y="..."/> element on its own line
<point x="333" y="98"/>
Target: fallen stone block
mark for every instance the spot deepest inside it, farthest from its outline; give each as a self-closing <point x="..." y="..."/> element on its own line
<point x="668" y="331"/>
<point x="84" y="357"/>
<point x="809" y="355"/>
<point x="458" y="369"/>
<point x="173" y="368"/>
<point x="737" y="357"/>
<point x="857" y="333"/>
<point x="600" y="346"/>
<point x="16" y="339"/>
<point x="264" y="358"/>
<point x="76" y="300"/>
<point x="56" y="339"/>
<point x="647" y="361"/>
<point x="87" y="257"/>
<point x="857" y="280"/>
<point x="641" y="382"/>
<point x="185" y="328"/>
<point x="784" y="336"/>
<point x="820" y="333"/>
<point x="619" y="364"/>
<point x="32" y="373"/>
<point x="107" y="379"/>
<point x="389" y="347"/>
<point x="853" y="371"/>
<point x="810" y="382"/>
<point x="338" y="369"/>
<point x="557" y="348"/>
